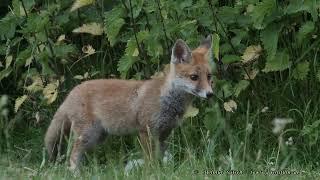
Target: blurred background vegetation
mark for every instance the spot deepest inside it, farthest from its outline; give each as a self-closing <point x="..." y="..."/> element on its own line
<point x="265" y="59"/>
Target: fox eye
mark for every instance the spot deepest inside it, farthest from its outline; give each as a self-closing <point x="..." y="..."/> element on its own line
<point x="209" y="76"/>
<point x="194" y="77"/>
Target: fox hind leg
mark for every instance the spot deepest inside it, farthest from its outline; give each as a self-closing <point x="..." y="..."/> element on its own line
<point x="89" y="137"/>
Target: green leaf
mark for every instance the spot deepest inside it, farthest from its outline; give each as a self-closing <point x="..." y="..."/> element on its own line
<point x="301" y="71"/>
<point x="225" y="88"/>
<point x="28" y="4"/>
<point x="215" y="45"/>
<point x="228" y="14"/>
<point x="154" y="48"/>
<point x="240" y="34"/>
<point x="142" y="35"/>
<point x="124" y="64"/>
<point x="22" y="57"/>
<point x="261" y="10"/>
<point x="278" y="63"/>
<point x="36" y="23"/>
<point x="5" y="73"/>
<point x="242" y="85"/>
<point x="313" y="8"/>
<point x="8" y="61"/>
<point x="137" y="6"/>
<point x="62" y="19"/>
<point x="44" y="61"/>
<point x="63" y="50"/>
<point x="131" y="47"/>
<point x="8" y="26"/>
<point x="227" y="59"/>
<point x="113" y="23"/>
<point x="186" y="28"/>
<point x="305" y="29"/>
<point x="28" y="61"/>
<point x="295" y="6"/>
<point x="213" y="118"/>
<point x="16" y="7"/>
<point x="130" y="57"/>
<point x="269" y="38"/>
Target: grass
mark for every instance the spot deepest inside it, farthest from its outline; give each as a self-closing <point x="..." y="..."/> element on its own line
<point x="206" y="146"/>
<point x="189" y="168"/>
<point x="198" y="153"/>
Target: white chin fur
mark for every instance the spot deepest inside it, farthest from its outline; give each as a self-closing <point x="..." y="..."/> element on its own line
<point x="202" y="94"/>
<point x="185" y="85"/>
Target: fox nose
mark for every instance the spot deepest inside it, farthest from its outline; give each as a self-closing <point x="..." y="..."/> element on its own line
<point x="209" y="94"/>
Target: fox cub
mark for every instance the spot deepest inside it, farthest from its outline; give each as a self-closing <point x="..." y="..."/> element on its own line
<point x="97" y="108"/>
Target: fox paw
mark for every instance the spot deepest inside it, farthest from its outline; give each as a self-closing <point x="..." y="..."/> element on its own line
<point x="133" y="164"/>
<point x="167" y="157"/>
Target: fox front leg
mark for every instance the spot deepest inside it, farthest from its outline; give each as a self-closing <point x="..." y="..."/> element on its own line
<point x="163" y="145"/>
<point x="165" y="156"/>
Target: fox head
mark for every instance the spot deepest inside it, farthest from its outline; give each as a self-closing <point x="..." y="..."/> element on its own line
<point x="190" y="70"/>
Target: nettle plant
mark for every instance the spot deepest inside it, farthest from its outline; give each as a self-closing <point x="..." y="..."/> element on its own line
<point x="48" y="44"/>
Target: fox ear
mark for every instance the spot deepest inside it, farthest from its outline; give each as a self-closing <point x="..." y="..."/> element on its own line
<point x="207" y="44"/>
<point x="181" y="53"/>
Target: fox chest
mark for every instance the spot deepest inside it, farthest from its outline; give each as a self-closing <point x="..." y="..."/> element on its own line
<point x="171" y="110"/>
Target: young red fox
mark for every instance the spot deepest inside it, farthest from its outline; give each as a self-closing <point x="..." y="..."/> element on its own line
<point x="98" y="108"/>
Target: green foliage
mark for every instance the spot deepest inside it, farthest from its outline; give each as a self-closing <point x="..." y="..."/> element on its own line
<point x="5" y="73"/>
<point x="227" y="59"/>
<point x="262" y="11"/>
<point x="269" y="38"/>
<point x="215" y="45"/>
<point x="279" y="62"/>
<point x="8" y="26"/>
<point x="305" y="29"/>
<point x="300" y="72"/>
<point x="242" y="85"/>
<point x="113" y="23"/>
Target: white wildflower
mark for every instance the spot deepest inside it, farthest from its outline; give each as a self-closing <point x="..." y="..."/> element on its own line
<point x="265" y="109"/>
<point x="279" y="124"/>
<point x="289" y="142"/>
<point x="249" y="128"/>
